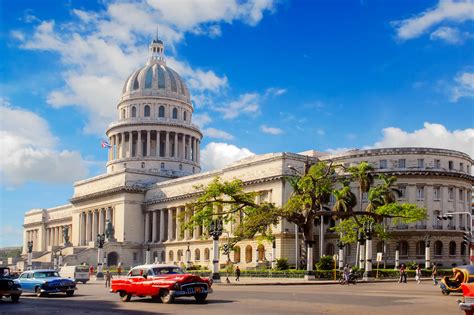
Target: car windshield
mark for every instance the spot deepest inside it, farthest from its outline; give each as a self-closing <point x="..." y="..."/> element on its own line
<point x="4" y="273"/>
<point x="45" y="274"/>
<point x="82" y="269"/>
<point x="167" y="270"/>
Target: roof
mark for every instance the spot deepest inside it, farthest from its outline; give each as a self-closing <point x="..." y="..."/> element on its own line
<point x="155" y="266"/>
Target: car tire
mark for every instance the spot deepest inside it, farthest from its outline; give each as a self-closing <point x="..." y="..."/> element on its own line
<point x="70" y="293"/>
<point x="156" y="298"/>
<point x="39" y="293"/>
<point x="200" y="298"/>
<point x="166" y="297"/>
<point x="84" y="282"/>
<point x="124" y="297"/>
<point x="15" y="298"/>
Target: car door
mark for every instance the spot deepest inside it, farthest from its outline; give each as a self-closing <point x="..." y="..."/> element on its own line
<point x="25" y="282"/>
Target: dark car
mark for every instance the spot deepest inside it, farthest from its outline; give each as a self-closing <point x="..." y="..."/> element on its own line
<point x="44" y="282"/>
<point x="8" y="286"/>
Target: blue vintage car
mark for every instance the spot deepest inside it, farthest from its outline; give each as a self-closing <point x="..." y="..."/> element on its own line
<point x="43" y="282"/>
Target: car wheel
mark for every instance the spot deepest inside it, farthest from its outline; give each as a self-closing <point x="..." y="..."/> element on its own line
<point x="15" y="298"/>
<point x="201" y="298"/>
<point x="70" y="293"/>
<point x="124" y="296"/>
<point x="39" y="293"/>
<point x="166" y="297"/>
<point x="84" y="282"/>
<point x="156" y="298"/>
<point x="445" y="292"/>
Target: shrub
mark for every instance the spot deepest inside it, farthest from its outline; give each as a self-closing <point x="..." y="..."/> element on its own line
<point x="282" y="264"/>
<point x="325" y="263"/>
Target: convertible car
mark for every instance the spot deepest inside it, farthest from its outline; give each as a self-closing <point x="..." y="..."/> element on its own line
<point x="461" y="274"/>
<point x="161" y="282"/>
<point x="44" y="282"/>
<point x="8" y="286"/>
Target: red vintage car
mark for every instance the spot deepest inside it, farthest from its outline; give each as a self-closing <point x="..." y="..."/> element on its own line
<point x="161" y="282"/>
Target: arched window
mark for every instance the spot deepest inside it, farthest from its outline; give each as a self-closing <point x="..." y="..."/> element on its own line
<point x="236" y="254"/>
<point x="185" y="115"/>
<point x="155" y="256"/>
<point x="161" y="77"/>
<point x="170" y="256"/>
<point x="161" y="111"/>
<point x="330" y="249"/>
<point x="197" y="254"/>
<point x="146" y="111"/>
<point x="261" y="252"/>
<point x="206" y="254"/>
<point x="463" y="249"/>
<point x="403" y="248"/>
<point x="173" y="82"/>
<point x="175" y="113"/>
<point x="452" y="248"/>
<point x="162" y="165"/>
<point x="379" y="247"/>
<point x="420" y="248"/>
<point x="438" y="248"/>
<point x="123" y="114"/>
<point x="163" y="256"/>
<point x="248" y="254"/>
<point x="179" y="255"/>
<point x="134" y="111"/>
<point x="148" y="78"/>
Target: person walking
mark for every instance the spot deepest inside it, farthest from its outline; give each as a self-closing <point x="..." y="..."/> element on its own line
<point x="346" y="273"/>
<point x="91" y="271"/>
<point x="237" y="273"/>
<point x="108" y="278"/>
<point x="434" y="273"/>
<point x="403" y="274"/>
<point x="418" y="274"/>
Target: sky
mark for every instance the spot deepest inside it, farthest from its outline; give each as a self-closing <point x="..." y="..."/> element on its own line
<point x="265" y="76"/>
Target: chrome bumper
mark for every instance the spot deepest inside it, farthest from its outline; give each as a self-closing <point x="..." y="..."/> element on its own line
<point x="10" y="292"/>
<point x="56" y="290"/>
<point x="176" y="293"/>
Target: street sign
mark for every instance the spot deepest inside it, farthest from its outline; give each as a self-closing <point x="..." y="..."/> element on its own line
<point x="379" y="257"/>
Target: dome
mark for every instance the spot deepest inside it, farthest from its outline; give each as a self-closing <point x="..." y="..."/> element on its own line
<point x="155" y="79"/>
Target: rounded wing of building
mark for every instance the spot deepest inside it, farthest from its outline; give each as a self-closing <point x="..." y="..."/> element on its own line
<point x="154" y="131"/>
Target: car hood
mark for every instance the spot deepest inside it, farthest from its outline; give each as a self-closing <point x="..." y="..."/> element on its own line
<point x="181" y="278"/>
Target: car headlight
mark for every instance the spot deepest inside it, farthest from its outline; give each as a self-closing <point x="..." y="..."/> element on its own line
<point x="45" y="285"/>
<point x="10" y="283"/>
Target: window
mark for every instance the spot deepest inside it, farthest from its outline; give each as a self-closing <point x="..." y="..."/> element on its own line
<point x="162" y="166"/>
<point x="436" y="193"/>
<point x="420" y="192"/>
<point x="420" y="248"/>
<point x="123" y="114"/>
<point x="421" y="163"/>
<point x="206" y="254"/>
<point x="175" y="113"/>
<point x="180" y="167"/>
<point x="450" y="165"/>
<point x="148" y="78"/>
<point x="383" y="164"/>
<point x="452" y="248"/>
<point x="402" y="192"/>
<point x="461" y="194"/>
<point x="197" y="254"/>
<point x="463" y="249"/>
<point x="170" y="256"/>
<point x="147" y="111"/>
<point x="437" y="164"/>
<point x="403" y="248"/>
<point x="161" y="78"/>
<point x="401" y="163"/>
<point x="143" y="164"/>
<point x="467" y="169"/>
<point x="135" y="256"/>
<point x="161" y="111"/>
<point x="185" y="115"/>
<point x="173" y="82"/>
<point x="248" y="254"/>
<point x="461" y="167"/>
<point x="236" y="254"/>
<point x="438" y="248"/>
<point x="134" y="111"/>
<point x="330" y="249"/>
<point x="451" y="193"/>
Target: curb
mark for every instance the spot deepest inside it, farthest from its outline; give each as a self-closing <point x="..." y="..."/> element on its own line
<point x="310" y="282"/>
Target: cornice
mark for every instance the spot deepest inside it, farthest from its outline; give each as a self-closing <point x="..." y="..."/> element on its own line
<point x="115" y="190"/>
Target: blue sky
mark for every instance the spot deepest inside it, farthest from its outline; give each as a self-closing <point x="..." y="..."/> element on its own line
<point x="266" y="76"/>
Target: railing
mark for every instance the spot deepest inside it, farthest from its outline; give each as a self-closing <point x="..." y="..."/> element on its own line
<point x="152" y="120"/>
<point x="420" y="226"/>
<point x="437" y="226"/>
<point x="451" y="227"/>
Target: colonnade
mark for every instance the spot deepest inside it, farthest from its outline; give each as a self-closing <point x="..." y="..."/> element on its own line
<point x="143" y="143"/>
<point x="92" y="222"/>
<point x="32" y="235"/>
<point x="165" y="225"/>
<point x="54" y="235"/>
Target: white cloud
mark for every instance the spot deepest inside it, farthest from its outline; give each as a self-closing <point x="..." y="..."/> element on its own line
<point x="275" y="91"/>
<point x="29" y="151"/>
<point x="10" y="235"/>
<point x="100" y="49"/>
<point x="247" y="103"/>
<point x="270" y="130"/>
<point x="445" y="11"/>
<point x="448" y="34"/>
<point x="217" y="155"/>
<point x="217" y="134"/>
<point x="320" y="132"/>
<point x="464" y="86"/>
<point x="201" y="119"/>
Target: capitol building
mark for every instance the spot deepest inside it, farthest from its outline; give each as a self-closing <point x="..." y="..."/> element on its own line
<point x="153" y="168"/>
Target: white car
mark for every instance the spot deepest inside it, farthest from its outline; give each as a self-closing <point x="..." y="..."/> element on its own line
<point x="78" y="273"/>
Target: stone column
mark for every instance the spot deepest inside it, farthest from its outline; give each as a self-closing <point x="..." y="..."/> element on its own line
<point x="175" y="153"/>
<point x="162" y="225"/>
<point x="193" y="148"/>
<point x="154" y="235"/>
<point x="94" y="224"/>
<point x="130" y="143"/>
<point x="178" y="224"/>
<point x="183" y="144"/>
<point x="88" y="227"/>
<point x="148" y="143"/>
<point x="167" y="149"/>
<point x="187" y="234"/>
<point x="198" y="151"/>
<point x="84" y="230"/>
<point x="158" y="143"/>
<point x="170" y="224"/>
<point x="101" y="221"/>
<point x="147" y="227"/>
<point x="80" y="229"/>
<point x="122" y="146"/>
<point x="139" y="151"/>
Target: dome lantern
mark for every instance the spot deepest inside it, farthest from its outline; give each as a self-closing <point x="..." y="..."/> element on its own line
<point x="156" y="50"/>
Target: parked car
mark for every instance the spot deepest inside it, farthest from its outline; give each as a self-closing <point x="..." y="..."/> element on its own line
<point x="161" y="282"/>
<point x="76" y="273"/>
<point x="467" y="304"/>
<point x="44" y="282"/>
<point x="9" y="287"/>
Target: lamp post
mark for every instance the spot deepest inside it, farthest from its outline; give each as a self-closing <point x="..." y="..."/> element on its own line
<point x="188" y="257"/>
<point x="427" y="252"/>
<point x="340" y="245"/>
<point x="369" y="231"/>
<point x="60" y="259"/>
<point x="397" y="255"/>
<point x="30" y="253"/>
<point x="100" y="244"/>
<point x="273" y="254"/>
<point x="360" y="240"/>
<point x="215" y="230"/>
<point x="55" y="261"/>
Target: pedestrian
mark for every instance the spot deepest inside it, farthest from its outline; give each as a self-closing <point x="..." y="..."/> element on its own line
<point x="119" y="270"/>
<point x="108" y="278"/>
<point x="237" y="273"/>
<point x="91" y="270"/>
<point x="346" y="273"/>
<point x="418" y="274"/>
<point x="434" y="273"/>
<point x="403" y="274"/>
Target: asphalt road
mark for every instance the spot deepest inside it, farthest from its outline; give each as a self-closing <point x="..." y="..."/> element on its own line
<point x="363" y="298"/>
